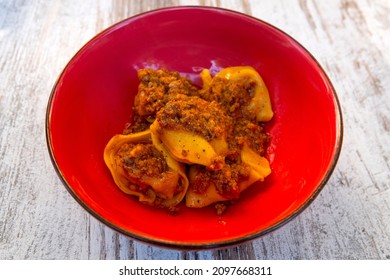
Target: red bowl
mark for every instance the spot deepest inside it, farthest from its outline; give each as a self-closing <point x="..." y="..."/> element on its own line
<point x="92" y="100"/>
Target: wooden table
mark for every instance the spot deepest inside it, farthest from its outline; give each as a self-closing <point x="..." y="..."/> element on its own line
<point x="350" y="219"/>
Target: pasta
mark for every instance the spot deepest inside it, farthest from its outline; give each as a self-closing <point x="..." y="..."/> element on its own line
<point x="247" y="79"/>
<point x="143" y="168"/>
<point x="193" y="130"/>
<point x="199" y="145"/>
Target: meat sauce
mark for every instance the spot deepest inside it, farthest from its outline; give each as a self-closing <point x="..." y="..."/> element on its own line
<point x="218" y="110"/>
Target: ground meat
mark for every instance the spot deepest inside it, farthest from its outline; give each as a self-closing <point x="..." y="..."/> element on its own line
<point x="138" y="124"/>
<point x="157" y="87"/>
<point x="225" y="180"/>
<point x="250" y="133"/>
<point x="195" y="115"/>
<point x="233" y="96"/>
<point x="220" y="208"/>
<point x="142" y="160"/>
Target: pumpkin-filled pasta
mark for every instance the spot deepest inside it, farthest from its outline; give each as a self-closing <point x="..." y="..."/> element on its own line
<point x="194" y="131"/>
<point x="208" y="186"/>
<point x="245" y="164"/>
<point x="141" y="169"/>
<point x="241" y="90"/>
<point x="199" y="145"/>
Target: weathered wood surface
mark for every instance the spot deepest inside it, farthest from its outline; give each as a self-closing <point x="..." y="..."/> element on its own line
<point x="349" y="220"/>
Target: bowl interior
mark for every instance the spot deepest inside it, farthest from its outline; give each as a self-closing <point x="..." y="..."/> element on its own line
<point x="92" y="100"/>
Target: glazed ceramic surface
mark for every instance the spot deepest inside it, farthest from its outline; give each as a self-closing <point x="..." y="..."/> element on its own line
<point x="93" y="97"/>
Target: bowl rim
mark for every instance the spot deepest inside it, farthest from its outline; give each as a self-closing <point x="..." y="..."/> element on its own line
<point x="227" y="242"/>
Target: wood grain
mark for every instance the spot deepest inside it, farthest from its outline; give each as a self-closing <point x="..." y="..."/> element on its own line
<point x="349" y="220"/>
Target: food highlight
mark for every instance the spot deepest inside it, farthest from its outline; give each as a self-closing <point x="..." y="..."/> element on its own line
<point x="203" y="145"/>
